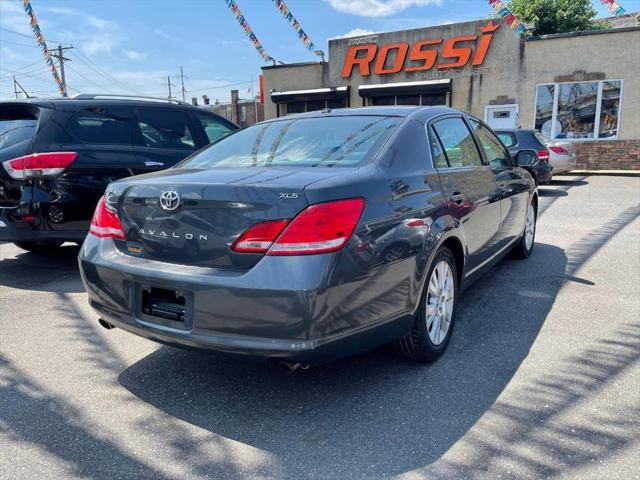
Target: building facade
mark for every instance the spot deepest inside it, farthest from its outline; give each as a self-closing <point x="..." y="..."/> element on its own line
<point x="580" y="86"/>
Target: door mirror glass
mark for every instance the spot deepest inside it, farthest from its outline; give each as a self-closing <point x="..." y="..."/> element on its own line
<point x="526" y="157"/>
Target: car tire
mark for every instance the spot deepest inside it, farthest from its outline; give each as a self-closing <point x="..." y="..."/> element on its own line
<point x="524" y="246"/>
<point x="428" y="338"/>
<point x="37" y="247"/>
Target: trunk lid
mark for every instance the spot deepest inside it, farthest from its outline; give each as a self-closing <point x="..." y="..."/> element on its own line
<point x="214" y="208"/>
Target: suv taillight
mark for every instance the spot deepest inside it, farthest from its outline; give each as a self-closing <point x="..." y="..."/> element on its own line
<point x="105" y="223"/>
<point x="39" y="165"/>
<point x="543" y="154"/>
<point x="320" y="228"/>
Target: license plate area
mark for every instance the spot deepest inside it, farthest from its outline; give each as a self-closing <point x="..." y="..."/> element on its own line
<point x="165" y="307"/>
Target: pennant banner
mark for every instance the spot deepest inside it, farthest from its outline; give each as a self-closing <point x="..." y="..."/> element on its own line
<point x="235" y="10"/>
<point x="614" y="7"/>
<point x="286" y="13"/>
<point x="508" y="16"/>
<point x="43" y="45"/>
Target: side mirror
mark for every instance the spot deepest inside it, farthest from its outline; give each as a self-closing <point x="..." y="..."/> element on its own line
<point x="526" y="157"/>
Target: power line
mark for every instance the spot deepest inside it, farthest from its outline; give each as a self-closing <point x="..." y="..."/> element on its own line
<point x="88" y="79"/>
<point x="102" y="72"/>
<point x="8" y="30"/>
<point x="18" y="44"/>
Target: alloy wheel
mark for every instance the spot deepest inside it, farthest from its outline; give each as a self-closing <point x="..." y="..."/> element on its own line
<point x="440" y="299"/>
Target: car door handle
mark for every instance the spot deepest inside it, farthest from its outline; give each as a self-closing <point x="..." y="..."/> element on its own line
<point x="154" y="164"/>
<point x="457" y="197"/>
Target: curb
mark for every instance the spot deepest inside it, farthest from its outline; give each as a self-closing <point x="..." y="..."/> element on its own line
<point x="608" y="173"/>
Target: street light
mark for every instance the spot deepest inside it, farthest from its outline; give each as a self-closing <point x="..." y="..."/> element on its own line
<point x="320" y="53"/>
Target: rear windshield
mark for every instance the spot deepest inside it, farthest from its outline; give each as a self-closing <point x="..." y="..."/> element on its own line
<point x="300" y="142"/>
<point x="16" y="131"/>
<point x="541" y="138"/>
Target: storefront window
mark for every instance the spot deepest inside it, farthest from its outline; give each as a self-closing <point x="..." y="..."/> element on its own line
<point x="337" y="103"/>
<point x="408" y="100"/>
<point x="313" y="105"/>
<point x="296" y="107"/>
<point x="610" y="109"/>
<point x="578" y="110"/>
<point x="544" y="108"/>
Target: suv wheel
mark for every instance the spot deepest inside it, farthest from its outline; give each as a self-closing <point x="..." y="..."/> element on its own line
<point x="431" y="331"/>
<point x="37" y="247"/>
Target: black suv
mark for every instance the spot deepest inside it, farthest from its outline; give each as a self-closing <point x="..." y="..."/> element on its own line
<point x="58" y="155"/>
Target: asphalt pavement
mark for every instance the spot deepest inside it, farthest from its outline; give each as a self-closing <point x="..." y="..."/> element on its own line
<point x="541" y="379"/>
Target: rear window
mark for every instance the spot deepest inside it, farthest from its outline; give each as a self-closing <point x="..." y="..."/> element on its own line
<point x="13" y="132"/>
<point x="300" y="142"/>
<point x="508" y="139"/>
<point x="541" y="138"/>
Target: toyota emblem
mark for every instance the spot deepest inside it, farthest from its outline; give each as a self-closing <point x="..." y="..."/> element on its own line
<point x="169" y="201"/>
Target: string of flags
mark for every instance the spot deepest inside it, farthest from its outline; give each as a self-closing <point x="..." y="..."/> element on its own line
<point x="286" y="13"/>
<point x="43" y="45"/>
<point x="235" y="10"/>
<point x="508" y="16"/>
<point x="614" y="7"/>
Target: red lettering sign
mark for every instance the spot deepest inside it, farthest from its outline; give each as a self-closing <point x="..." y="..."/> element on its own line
<point x="456" y="52"/>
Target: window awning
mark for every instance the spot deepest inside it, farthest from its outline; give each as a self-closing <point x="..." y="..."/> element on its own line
<point x="405" y="88"/>
<point x="331" y="93"/>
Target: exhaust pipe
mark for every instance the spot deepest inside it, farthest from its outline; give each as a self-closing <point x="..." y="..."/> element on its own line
<point x="106" y="324"/>
<point x="290" y="367"/>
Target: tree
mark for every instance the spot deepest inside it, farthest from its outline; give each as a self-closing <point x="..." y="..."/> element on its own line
<point x="557" y="16"/>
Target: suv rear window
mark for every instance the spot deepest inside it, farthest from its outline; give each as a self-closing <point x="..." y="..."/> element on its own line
<point x="300" y="142"/>
<point x="16" y="131"/>
<point x="508" y="139"/>
<point x="100" y="125"/>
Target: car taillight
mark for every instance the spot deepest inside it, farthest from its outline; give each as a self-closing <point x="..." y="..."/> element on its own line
<point x="559" y="150"/>
<point x="543" y="154"/>
<point x="259" y="237"/>
<point x="39" y="165"/>
<point x="105" y="223"/>
<point x="320" y="228"/>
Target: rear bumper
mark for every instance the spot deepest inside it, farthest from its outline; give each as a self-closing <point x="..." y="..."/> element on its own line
<point x="561" y="165"/>
<point x="287" y="307"/>
<point x="11" y="231"/>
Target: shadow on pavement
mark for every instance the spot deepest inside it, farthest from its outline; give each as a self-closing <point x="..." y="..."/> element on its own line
<point x="54" y="271"/>
<point x="391" y="415"/>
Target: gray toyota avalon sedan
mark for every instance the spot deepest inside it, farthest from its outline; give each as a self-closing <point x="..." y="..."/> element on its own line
<point x="312" y="237"/>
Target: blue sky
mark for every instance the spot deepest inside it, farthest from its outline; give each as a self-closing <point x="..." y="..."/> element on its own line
<point x="129" y="46"/>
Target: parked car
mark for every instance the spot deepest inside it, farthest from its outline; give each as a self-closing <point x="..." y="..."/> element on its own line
<point x="274" y="242"/>
<point x="517" y="140"/>
<point x="562" y="155"/>
<point x="58" y="155"/>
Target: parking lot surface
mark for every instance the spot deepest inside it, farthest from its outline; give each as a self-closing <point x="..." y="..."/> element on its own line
<point x="541" y="379"/>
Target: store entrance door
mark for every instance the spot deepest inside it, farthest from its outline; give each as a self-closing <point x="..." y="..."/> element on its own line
<point x="501" y="116"/>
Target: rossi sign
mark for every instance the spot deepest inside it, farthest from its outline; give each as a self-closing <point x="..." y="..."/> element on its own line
<point x="423" y="55"/>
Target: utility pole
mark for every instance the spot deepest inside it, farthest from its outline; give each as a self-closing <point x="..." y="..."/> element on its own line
<point x="61" y="59"/>
<point x="169" y="85"/>
<point x="182" y="79"/>
<point x="17" y="84"/>
<point x="15" y="87"/>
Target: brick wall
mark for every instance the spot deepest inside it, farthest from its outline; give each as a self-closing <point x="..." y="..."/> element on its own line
<point x="608" y="155"/>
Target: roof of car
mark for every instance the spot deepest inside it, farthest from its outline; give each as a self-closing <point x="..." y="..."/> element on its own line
<point x="514" y="130"/>
<point x="63" y="103"/>
<point x="397" y="111"/>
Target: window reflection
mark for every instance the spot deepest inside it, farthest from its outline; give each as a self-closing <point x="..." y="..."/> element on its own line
<point x="609" y="109"/>
<point x="577" y="110"/>
<point x="544" y="108"/>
